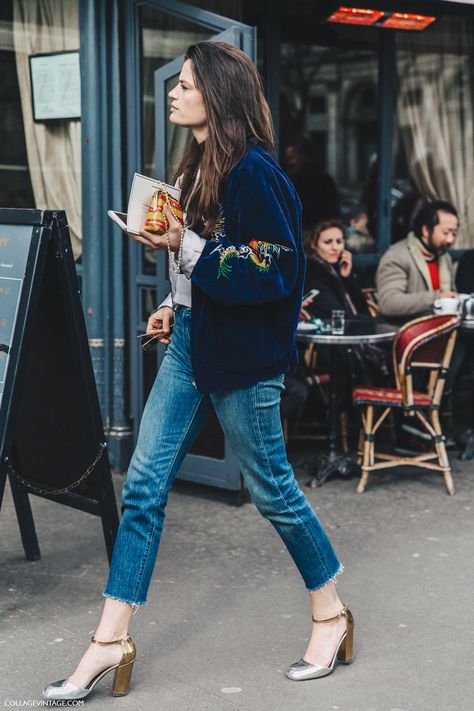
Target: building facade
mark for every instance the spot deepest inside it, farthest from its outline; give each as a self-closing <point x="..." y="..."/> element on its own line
<point x="387" y="115"/>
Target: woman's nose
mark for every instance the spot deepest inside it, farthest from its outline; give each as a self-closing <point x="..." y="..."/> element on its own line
<point x="172" y="94"/>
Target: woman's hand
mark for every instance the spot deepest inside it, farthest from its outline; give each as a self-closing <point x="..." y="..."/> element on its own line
<point x="160" y="324"/>
<point x="345" y="263"/>
<point x="160" y="241"/>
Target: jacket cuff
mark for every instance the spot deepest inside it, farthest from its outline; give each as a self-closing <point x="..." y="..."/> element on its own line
<point x="192" y="250"/>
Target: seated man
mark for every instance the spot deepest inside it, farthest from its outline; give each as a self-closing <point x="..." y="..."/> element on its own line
<point x="416" y="271"/>
<point x="411" y="275"/>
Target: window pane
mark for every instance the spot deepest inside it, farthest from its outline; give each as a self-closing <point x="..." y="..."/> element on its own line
<point x="40" y="161"/>
<point x="434" y="133"/>
<point x="164" y="37"/>
<point x="329" y="129"/>
<point x="148" y="303"/>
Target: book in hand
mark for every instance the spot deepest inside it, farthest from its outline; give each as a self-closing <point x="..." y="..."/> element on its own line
<point x="141" y="194"/>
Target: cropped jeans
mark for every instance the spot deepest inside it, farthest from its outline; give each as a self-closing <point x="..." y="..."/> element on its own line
<point x="173" y="416"/>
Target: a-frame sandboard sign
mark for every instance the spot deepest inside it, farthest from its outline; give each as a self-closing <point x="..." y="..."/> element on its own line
<point x="52" y="442"/>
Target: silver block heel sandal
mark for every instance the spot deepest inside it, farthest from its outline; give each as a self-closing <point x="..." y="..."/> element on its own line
<point x="302" y="670"/>
<point x="63" y="690"/>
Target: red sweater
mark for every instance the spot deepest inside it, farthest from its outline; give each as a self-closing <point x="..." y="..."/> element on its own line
<point x="433" y="268"/>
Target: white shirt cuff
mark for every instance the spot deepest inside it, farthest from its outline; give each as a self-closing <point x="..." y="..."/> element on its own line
<point x="167" y="302"/>
<point x="192" y="250"/>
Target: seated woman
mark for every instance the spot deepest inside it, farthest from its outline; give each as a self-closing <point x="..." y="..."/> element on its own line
<point x="329" y="272"/>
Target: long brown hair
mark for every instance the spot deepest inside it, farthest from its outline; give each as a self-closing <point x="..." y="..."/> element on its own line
<point x="237" y="112"/>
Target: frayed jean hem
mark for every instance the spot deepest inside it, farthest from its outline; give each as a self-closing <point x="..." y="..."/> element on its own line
<point x="134" y="605"/>
<point x="330" y="580"/>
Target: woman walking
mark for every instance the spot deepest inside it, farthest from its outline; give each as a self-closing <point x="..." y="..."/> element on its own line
<point x="236" y="274"/>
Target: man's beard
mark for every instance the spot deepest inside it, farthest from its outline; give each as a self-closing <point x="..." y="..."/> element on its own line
<point x="439" y="251"/>
<point x="436" y="251"/>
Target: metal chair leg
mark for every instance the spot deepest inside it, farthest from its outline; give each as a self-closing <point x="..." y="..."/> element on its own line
<point x="343" y="420"/>
<point x="360" y="449"/>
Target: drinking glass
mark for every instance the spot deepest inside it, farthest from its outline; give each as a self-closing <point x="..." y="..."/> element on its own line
<point x="337" y="322"/>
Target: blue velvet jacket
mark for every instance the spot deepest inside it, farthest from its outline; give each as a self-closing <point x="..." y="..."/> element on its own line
<point x="247" y="284"/>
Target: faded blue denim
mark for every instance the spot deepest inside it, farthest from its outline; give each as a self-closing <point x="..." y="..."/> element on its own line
<point x="172" y="418"/>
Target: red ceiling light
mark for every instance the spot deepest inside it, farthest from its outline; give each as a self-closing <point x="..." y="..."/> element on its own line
<point x="355" y="16"/>
<point x="406" y="21"/>
<point x="379" y="18"/>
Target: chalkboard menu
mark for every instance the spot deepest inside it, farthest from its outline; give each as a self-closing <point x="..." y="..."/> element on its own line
<point x="52" y="442"/>
<point x="15" y="243"/>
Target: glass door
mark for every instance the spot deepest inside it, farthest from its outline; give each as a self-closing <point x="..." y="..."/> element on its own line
<point x="164" y="30"/>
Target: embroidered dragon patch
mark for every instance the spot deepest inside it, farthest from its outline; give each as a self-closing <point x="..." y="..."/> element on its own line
<point x="261" y="255"/>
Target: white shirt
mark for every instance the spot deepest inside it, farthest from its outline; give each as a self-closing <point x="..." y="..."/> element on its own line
<point x="181" y="283"/>
<point x="192" y="247"/>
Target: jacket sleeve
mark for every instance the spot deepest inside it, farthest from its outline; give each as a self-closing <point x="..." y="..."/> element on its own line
<point x="392" y="289"/>
<point x="256" y="260"/>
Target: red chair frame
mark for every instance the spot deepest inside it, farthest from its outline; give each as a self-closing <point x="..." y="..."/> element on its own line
<point x="426" y="343"/>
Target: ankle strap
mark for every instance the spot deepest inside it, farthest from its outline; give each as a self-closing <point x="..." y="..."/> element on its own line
<point x="114" y="641"/>
<point x="341" y="613"/>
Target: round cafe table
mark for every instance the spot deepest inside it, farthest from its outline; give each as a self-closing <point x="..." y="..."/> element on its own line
<point x="355" y="333"/>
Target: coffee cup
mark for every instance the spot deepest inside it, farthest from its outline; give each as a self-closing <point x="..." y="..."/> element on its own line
<point x="446" y="305"/>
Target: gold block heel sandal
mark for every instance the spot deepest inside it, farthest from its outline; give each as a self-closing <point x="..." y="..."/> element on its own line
<point x="302" y="670"/>
<point x="64" y="690"/>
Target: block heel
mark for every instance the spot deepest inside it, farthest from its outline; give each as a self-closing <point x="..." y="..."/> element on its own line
<point x="122" y="677"/>
<point x="345" y="653"/>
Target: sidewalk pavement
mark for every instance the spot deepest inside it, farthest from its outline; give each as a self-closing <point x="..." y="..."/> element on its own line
<point x="228" y="612"/>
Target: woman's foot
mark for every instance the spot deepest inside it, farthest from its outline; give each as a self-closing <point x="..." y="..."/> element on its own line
<point x="325" y="646"/>
<point x="92" y="668"/>
<point x="332" y="636"/>
<point x="96" y="659"/>
<point x="113" y="624"/>
<point x="325" y="636"/>
<point x="325" y="639"/>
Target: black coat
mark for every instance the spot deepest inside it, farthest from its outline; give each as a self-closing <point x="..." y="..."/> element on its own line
<point x="331" y="291"/>
<point x="353" y="364"/>
<point x="465" y="273"/>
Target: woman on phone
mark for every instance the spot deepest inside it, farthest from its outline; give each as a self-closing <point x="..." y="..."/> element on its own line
<point x="329" y="272"/>
<point x="237" y="274"/>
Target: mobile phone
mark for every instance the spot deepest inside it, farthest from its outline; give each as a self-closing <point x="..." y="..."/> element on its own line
<point x="309" y="296"/>
<point x="120" y="218"/>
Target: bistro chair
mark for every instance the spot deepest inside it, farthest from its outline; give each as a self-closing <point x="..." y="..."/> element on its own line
<point x="304" y="429"/>
<point x="426" y="343"/>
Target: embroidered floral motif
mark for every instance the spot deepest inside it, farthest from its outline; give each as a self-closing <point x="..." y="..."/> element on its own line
<point x="260" y="254"/>
<point x="219" y="228"/>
